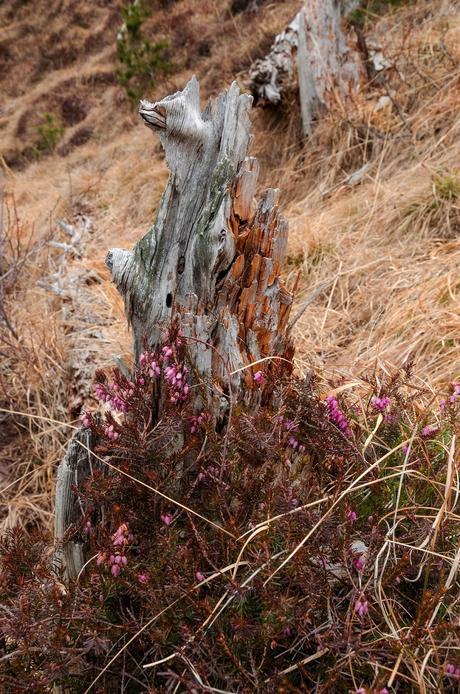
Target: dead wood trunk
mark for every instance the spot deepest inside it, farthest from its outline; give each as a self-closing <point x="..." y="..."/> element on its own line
<point x="212" y="260"/>
<point x="213" y="257"/>
<point x="313" y="54"/>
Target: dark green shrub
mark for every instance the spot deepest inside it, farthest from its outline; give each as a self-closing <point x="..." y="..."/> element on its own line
<point x="141" y="61"/>
<point x="49" y="133"/>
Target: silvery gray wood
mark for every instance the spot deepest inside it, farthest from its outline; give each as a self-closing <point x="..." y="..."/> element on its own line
<point x="72" y="471"/>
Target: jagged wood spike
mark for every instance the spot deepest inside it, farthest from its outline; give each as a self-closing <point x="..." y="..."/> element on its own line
<point x="72" y="471"/>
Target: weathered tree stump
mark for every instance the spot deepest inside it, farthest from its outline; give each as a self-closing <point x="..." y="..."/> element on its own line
<point x="312" y="52"/>
<point x="212" y="262"/>
<point x="213" y="258"/>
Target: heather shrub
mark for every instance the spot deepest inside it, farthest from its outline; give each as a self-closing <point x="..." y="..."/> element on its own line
<point x="309" y="544"/>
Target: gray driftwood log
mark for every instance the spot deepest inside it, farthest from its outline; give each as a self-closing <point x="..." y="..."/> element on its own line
<point x="311" y="53"/>
<point x="212" y="259"/>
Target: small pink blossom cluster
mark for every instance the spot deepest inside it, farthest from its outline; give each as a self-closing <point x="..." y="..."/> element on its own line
<point x="177" y="378"/>
<point x="259" y="378"/>
<point x="198" y="421"/>
<point x="380" y="404"/>
<point x="358" y="563"/>
<point x="110" y="432"/>
<point x="429" y="431"/>
<point x="116" y="562"/>
<point x="86" y="419"/>
<point x="337" y="416"/>
<point x="288" y="424"/>
<point x="453" y="399"/>
<point x="361" y="606"/>
<point x="114" y="395"/>
<point x="351" y="515"/>
<point x="294" y="444"/>
<point x="452" y="671"/>
<point x="118" y="559"/>
<point x="363" y="690"/>
<point x="150" y="364"/>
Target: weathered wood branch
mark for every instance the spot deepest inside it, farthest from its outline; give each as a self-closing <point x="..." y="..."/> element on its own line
<point x="73" y="470"/>
<point x="311" y="53"/>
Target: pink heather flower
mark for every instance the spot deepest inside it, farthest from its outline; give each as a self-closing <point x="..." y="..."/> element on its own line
<point x="115" y="570"/>
<point x="362" y="606"/>
<point x="361" y="690"/>
<point x="167" y="351"/>
<point x="443" y="404"/>
<point x="259" y="378"/>
<point x="87" y="527"/>
<point x="85" y="420"/>
<point x="351" y="515"/>
<point x="111" y="434"/>
<point x="452" y="671"/>
<point x="177" y="379"/>
<point x="154" y="369"/>
<point x="199" y="576"/>
<point x="197" y="422"/>
<point x="201" y="476"/>
<point x="166" y="518"/>
<point x="143" y="578"/>
<point x="358" y="563"/>
<point x="383" y="691"/>
<point x="429" y="431"/>
<point x="293" y="442"/>
<point x="405" y="448"/>
<point x="337" y="416"/>
<point x="100" y="558"/>
<point x="288" y="424"/>
<point x="121" y="536"/>
<point x="287" y="631"/>
<point x="142" y="358"/>
<point x="380" y="404"/>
